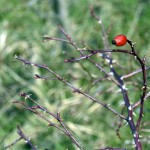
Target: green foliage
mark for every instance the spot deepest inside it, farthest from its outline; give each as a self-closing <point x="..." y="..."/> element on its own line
<point x="23" y="23"/>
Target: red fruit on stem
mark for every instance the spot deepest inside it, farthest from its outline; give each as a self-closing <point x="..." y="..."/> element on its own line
<point x="119" y="40"/>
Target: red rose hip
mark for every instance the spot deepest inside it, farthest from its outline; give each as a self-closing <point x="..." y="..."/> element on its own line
<point x="119" y="40"/>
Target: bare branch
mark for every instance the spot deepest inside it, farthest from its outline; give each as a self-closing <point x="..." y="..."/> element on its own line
<point x="22" y="137"/>
<point x="133" y="73"/>
<point x="57" y="117"/>
<point x="135" y="105"/>
<point x="16" y="141"/>
<point x="144" y="88"/>
<point x="70" y="85"/>
<point x="27" y="140"/>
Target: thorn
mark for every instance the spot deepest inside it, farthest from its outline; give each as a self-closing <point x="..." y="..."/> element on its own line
<point x="121" y="78"/>
<point x="99" y="21"/>
<point x="134" y="145"/>
<point x="108" y="105"/>
<point x="81" y="49"/>
<point x="27" y="96"/>
<point x="124" y="87"/>
<point x="135" y="57"/>
<point x="144" y="59"/>
<point x="119" y="90"/>
<point x="143" y="88"/>
<point x="130" y="118"/>
<point x="134" y="113"/>
<point x="100" y="54"/>
<point x="16" y="56"/>
<point x="130" y="108"/>
<point x="111" y="66"/>
<point x="133" y="142"/>
<point x="107" y="60"/>
<point x="114" y="61"/>
<point x="122" y="103"/>
<point x="111" y="73"/>
<point x="133" y="43"/>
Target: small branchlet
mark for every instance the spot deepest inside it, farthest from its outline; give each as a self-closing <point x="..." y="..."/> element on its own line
<point x="37" y="107"/>
<point x="22" y="137"/>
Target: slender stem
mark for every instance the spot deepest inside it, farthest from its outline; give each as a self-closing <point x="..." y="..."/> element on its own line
<point x="23" y="136"/>
<point x="134" y="73"/>
<point x="57" y="117"/>
<point x="33" y="109"/>
<point x="70" y="85"/>
<point x="144" y="88"/>
<point x="135" y="105"/>
<point x="16" y="141"/>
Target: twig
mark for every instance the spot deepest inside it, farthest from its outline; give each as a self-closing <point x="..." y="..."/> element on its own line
<point x="48" y="38"/>
<point x="70" y="85"/>
<point x="22" y="137"/>
<point x="120" y="124"/>
<point x="16" y="141"/>
<point x="133" y="73"/>
<point x="104" y="37"/>
<point x="57" y="117"/>
<point x="27" y="140"/>
<point x="110" y="148"/>
<point x="80" y="58"/>
<point x="125" y="95"/>
<point x="135" y="105"/>
<point x="90" y="60"/>
<point x="144" y="88"/>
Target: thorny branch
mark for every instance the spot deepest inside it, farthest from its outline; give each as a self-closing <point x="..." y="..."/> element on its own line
<point x="27" y="140"/>
<point x="34" y="109"/>
<point x="110" y="148"/>
<point x="22" y="136"/>
<point x="144" y="88"/>
<point x="116" y="78"/>
<point x="119" y="81"/>
<point x="130" y="117"/>
<point x="81" y="51"/>
<point x="121" y="85"/>
<point x="113" y="75"/>
<point x="75" y="89"/>
<point x="16" y="141"/>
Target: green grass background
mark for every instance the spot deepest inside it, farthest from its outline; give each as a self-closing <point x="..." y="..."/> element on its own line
<point x="22" y="25"/>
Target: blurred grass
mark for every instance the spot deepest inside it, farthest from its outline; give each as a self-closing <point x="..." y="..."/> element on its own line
<point x="23" y="23"/>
